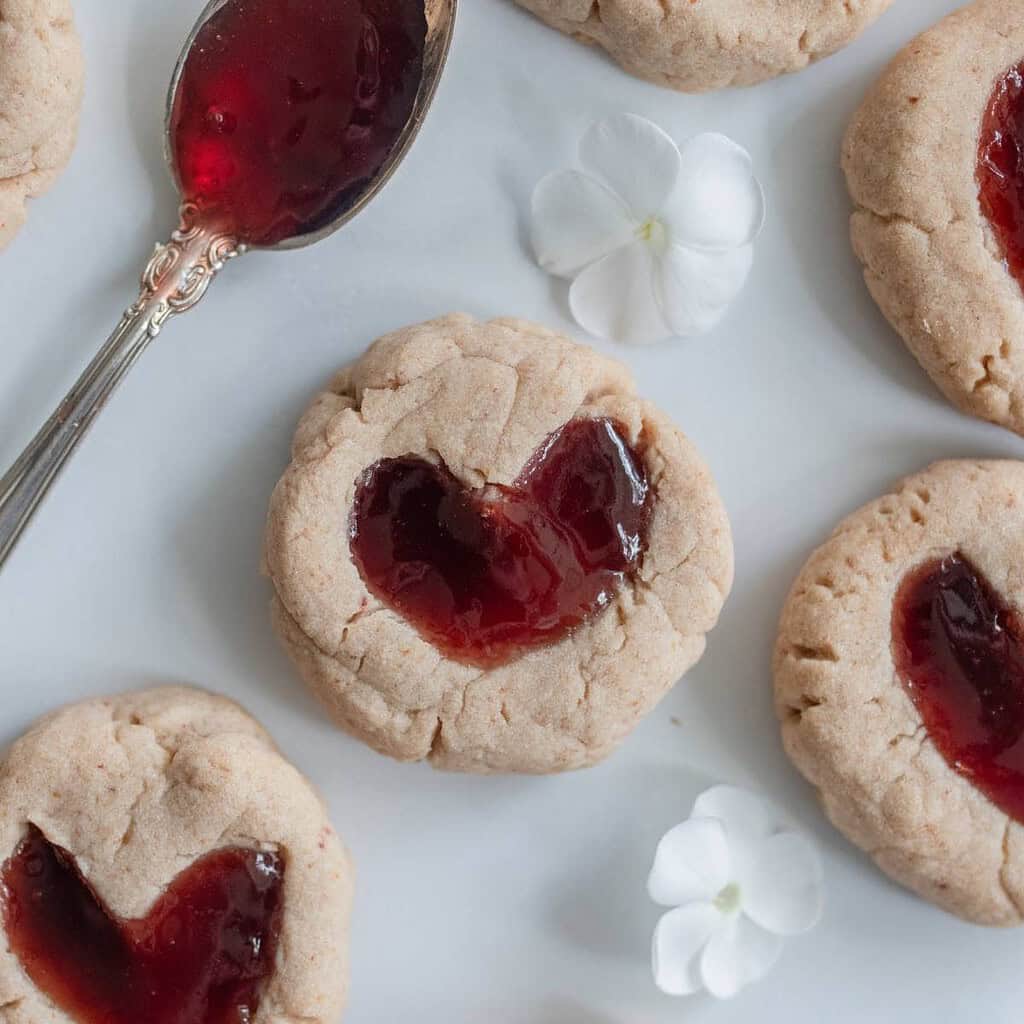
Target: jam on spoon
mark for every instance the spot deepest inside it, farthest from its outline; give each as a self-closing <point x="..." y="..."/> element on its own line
<point x="286" y="108"/>
<point x="959" y="650"/>
<point x="485" y="574"/>
<point x="1001" y="167"/>
<point x="201" y="956"/>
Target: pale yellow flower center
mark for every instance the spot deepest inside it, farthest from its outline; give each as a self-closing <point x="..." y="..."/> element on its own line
<point x="654" y="232"/>
<point x="729" y="899"/>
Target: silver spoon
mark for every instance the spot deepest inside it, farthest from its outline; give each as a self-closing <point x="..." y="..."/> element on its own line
<point x="174" y="280"/>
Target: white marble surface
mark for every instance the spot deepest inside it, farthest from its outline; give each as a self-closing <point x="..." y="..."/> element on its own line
<point x="510" y="901"/>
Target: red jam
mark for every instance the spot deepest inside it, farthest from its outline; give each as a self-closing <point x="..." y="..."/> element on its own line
<point x="286" y="107"/>
<point x="201" y="956"/>
<point x="960" y="653"/>
<point x="1001" y="167"/>
<point x="485" y="574"/>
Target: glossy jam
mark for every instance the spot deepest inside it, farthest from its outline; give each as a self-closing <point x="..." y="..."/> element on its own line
<point x="201" y="956"/>
<point x="286" y="107"/>
<point x="960" y="653"/>
<point x="1001" y="167"/>
<point x="485" y="574"/>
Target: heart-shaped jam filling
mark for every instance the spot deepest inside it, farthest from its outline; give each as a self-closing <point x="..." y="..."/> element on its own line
<point x="485" y="574"/>
<point x="201" y="956"/>
<point x="1001" y="167"/>
<point x="285" y="109"/>
<point x="960" y="653"/>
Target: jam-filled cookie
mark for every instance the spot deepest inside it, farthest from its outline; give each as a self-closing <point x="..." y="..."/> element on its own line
<point x="899" y="682"/>
<point x="162" y="863"/>
<point x="41" y="77"/>
<point x="489" y="553"/>
<point x="935" y="164"/>
<point x="699" y="45"/>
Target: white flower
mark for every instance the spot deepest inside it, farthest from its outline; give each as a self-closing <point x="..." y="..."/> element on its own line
<point x="656" y="238"/>
<point x="739" y="882"/>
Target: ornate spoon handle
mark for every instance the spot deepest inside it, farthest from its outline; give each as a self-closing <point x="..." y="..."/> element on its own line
<point x="174" y="280"/>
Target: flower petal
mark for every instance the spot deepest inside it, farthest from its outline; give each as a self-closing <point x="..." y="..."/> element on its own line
<point x="737" y="954"/>
<point x="738" y="810"/>
<point x="635" y="158"/>
<point x="782" y="890"/>
<point x="615" y="297"/>
<point x="691" y="863"/>
<point x="695" y="288"/>
<point x="576" y="221"/>
<point x="717" y="203"/>
<point x="680" y="936"/>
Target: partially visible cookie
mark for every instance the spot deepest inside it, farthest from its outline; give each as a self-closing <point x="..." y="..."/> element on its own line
<point x="41" y="82"/>
<point x="932" y="258"/>
<point x="700" y="45"/>
<point x="468" y="407"/>
<point x="900" y="688"/>
<point x="121" y="801"/>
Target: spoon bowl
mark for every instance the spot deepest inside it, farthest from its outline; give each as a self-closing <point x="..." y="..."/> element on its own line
<point x="440" y="23"/>
<point x="182" y="269"/>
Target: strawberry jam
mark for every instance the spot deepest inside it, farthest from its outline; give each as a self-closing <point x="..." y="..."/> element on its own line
<point x="1001" y="167"/>
<point x="959" y="650"/>
<point x="201" y="956"/>
<point x="285" y="109"/>
<point x="485" y="574"/>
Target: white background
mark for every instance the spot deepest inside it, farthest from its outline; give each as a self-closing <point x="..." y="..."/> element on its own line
<point x="505" y="901"/>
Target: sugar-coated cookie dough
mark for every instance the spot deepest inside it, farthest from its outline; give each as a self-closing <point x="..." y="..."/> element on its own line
<point x="41" y="81"/>
<point x="137" y="787"/>
<point x="848" y="722"/>
<point x="930" y="257"/>
<point x="699" y="45"/>
<point x="481" y="397"/>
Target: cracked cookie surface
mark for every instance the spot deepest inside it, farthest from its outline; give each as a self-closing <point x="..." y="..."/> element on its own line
<point x="138" y="787"/>
<point x="931" y="259"/>
<point x="41" y="82"/>
<point x="847" y="721"/>
<point x="480" y="398"/>
<point x="700" y="45"/>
